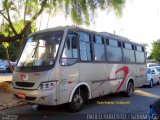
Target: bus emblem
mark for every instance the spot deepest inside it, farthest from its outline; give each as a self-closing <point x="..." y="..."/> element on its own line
<point x="23" y="77"/>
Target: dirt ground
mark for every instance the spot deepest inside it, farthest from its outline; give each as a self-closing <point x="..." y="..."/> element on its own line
<point x="6" y="97"/>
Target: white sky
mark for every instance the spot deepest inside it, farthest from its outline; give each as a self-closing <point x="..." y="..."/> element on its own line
<point x="140" y="21"/>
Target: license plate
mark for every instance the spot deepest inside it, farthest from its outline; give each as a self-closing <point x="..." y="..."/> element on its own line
<point x="22" y="95"/>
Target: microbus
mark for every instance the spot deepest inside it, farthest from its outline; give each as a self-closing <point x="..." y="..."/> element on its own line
<point x="69" y="64"/>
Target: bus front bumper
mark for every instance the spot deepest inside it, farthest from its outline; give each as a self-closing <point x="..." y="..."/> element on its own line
<point x="44" y="97"/>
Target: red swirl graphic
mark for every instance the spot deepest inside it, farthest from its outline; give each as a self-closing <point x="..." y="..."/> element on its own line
<point x="125" y="70"/>
<point x="23" y="76"/>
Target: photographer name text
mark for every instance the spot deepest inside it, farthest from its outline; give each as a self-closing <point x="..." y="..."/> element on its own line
<point x="113" y="102"/>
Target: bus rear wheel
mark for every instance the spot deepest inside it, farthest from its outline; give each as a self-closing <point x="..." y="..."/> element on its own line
<point x="130" y="89"/>
<point x="77" y="101"/>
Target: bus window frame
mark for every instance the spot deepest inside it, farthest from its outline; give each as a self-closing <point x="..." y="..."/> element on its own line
<point x="132" y="48"/>
<point x="143" y="50"/>
<point x="91" y="46"/>
<point x="78" y="55"/>
<point x="93" y="50"/>
<point x="107" y="38"/>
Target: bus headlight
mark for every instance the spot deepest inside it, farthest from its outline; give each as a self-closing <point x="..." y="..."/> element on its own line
<point x="47" y="85"/>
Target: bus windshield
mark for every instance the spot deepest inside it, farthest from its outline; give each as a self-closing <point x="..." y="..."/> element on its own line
<point x="41" y="49"/>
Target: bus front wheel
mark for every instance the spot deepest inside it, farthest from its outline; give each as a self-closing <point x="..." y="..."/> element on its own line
<point x="130" y="89"/>
<point x="77" y="101"/>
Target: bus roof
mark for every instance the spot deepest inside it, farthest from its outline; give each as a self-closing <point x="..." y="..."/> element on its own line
<point x="109" y="35"/>
<point x="52" y="29"/>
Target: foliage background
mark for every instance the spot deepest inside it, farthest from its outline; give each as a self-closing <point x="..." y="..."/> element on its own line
<point x="155" y="53"/>
<point x="19" y="17"/>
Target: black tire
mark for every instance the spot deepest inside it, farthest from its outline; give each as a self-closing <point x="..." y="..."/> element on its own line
<point x="130" y="89"/>
<point x="151" y="84"/>
<point x="77" y="101"/>
<point x="41" y="107"/>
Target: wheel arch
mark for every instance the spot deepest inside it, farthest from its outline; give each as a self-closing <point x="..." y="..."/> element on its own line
<point x="80" y="85"/>
<point x="130" y="79"/>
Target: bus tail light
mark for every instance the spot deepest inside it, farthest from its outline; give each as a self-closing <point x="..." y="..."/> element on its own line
<point x="47" y="85"/>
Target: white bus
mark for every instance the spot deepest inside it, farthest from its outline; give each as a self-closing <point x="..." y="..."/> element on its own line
<point x="72" y="65"/>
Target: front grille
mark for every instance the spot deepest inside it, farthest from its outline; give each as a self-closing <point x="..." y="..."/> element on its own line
<point x="24" y="84"/>
<point x="26" y="98"/>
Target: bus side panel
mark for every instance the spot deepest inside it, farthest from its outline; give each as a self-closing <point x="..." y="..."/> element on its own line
<point x="114" y="77"/>
<point x="94" y="74"/>
<point x="125" y="72"/>
<point x="105" y="78"/>
<point x="118" y="76"/>
<point x="140" y="74"/>
<point x="68" y="79"/>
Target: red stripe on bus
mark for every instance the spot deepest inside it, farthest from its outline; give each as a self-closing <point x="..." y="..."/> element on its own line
<point x="125" y="70"/>
<point x="99" y="85"/>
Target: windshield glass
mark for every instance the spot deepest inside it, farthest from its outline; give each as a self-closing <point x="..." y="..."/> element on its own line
<point x="3" y="63"/>
<point x="40" y="49"/>
<point x="158" y="69"/>
<point x="148" y="71"/>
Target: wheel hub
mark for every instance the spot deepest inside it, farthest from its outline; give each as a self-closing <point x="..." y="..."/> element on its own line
<point x="77" y="100"/>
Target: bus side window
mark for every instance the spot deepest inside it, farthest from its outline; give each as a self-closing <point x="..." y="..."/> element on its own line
<point x="114" y="52"/>
<point x="85" y="46"/>
<point x="70" y="51"/>
<point x="128" y="53"/>
<point x="99" y="53"/>
<point x="140" y="54"/>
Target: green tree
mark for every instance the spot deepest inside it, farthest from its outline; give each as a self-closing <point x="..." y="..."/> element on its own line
<point x="12" y="49"/>
<point x="150" y="57"/>
<point x="80" y="11"/>
<point x="155" y="53"/>
<point x="6" y="45"/>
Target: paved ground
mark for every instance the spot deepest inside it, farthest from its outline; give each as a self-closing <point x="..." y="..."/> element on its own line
<point x="134" y="107"/>
<point x="5" y="77"/>
<point x="7" y="101"/>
